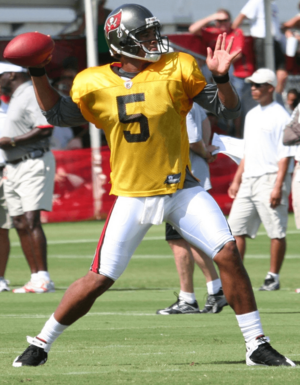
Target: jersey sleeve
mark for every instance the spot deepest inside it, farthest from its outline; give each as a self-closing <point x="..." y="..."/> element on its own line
<point x="193" y="79"/>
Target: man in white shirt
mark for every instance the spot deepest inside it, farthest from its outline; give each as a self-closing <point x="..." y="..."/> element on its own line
<point x="5" y="219"/>
<point x="262" y="183"/>
<point x="254" y="10"/>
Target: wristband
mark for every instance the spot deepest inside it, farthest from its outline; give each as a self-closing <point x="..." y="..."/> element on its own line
<point x="221" y="79"/>
<point x="37" y="72"/>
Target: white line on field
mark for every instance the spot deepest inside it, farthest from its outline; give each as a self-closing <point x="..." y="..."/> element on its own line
<point x="151" y="256"/>
<point x="94" y="240"/>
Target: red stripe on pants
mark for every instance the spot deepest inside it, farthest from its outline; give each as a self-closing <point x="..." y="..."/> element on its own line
<point x="96" y="262"/>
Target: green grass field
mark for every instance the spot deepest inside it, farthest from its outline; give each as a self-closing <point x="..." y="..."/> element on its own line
<point x="123" y="341"/>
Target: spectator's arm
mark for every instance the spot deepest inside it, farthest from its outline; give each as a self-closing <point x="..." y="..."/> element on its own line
<point x="204" y="151"/>
<point x="276" y="193"/>
<point x="291" y="133"/>
<point x="206" y="131"/>
<point x="238" y="20"/>
<point x="237" y="180"/>
<point x="32" y="136"/>
<point x="292" y="23"/>
<point x="196" y="27"/>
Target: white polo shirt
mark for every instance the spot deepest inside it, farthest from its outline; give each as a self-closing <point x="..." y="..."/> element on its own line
<point x="3" y="109"/>
<point x="254" y="10"/>
<point x="200" y="167"/>
<point x="263" y="134"/>
<point x="24" y="114"/>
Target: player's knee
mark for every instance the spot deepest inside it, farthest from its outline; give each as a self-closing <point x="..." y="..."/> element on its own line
<point x="97" y="284"/>
<point x="228" y="255"/>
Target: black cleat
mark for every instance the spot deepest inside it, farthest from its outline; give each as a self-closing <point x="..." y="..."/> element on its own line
<point x="33" y="356"/>
<point x="215" y="303"/>
<point x="180" y="307"/>
<point x="260" y="352"/>
<point x="270" y="284"/>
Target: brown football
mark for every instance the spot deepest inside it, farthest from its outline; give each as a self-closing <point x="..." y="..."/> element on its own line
<point x="29" y="49"/>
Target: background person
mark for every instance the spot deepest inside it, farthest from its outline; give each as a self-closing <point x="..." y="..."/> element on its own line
<point x="30" y="168"/>
<point x="254" y="10"/>
<point x="262" y="182"/>
<point x="243" y="66"/>
<point x="185" y="255"/>
<point x="5" y="219"/>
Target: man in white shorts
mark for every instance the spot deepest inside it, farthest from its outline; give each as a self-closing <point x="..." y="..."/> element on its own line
<point x="29" y="172"/>
<point x="185" y="255"/>
<point x="5" y="219"/>
<point x="262" y="183"/>
<point x="141" y="102"/>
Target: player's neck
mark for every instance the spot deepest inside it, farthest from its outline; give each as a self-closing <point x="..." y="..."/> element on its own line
<point x="133" y="65"/>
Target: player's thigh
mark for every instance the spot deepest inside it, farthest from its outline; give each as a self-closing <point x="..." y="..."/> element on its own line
<point x="296" y="194"/>
<point x="274" y="220"/>
<point x="121" y="235"/>
<point x="243" y="218"/>
<point x="197" y="217"/>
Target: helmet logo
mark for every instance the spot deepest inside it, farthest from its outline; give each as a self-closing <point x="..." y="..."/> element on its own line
<point x="113" y="23"/>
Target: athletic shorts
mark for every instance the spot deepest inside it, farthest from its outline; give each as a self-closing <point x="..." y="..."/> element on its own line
<point x="251" y="207"/>
<point x="29" y="185"/>
<point x="259" y="52"/>
<point x="296" y="194"/>
<point x="5" y="219"/>
<point x="192" y="212"/>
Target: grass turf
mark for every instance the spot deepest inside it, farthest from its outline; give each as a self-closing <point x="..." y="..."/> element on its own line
<point x="122" y="341"/>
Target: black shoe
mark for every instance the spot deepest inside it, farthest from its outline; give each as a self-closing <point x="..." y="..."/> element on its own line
<point x="180" y="307"/>
<point x="260" y="352"/>
<point x="33" y="355"/>
<point x="215" y="303"/>
<point x="270" y="284"/>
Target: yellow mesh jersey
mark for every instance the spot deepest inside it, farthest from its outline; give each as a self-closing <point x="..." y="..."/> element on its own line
<point x="144" y="121"/>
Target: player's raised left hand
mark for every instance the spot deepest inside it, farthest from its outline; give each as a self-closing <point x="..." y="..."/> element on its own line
<point x="219" y="61"/>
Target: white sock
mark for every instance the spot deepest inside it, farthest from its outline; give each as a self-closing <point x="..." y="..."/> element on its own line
<point x="213" y="287"/>
<point x="44" y="275"/>
<point x="276" y="276"/>
<point x="34" y="277"/>
<point x="250" y="325"/>
<point x="51" y="331"/>
<point x="187" y="297"/>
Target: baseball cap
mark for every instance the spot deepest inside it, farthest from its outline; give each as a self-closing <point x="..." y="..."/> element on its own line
<point x="263" y="75"/>
<point x="8" y="67"/>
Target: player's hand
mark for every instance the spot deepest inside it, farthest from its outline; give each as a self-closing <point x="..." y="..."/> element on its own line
<point x="5" y="142"/>
<point x="219" y="61"/>
<point x="275" y="197"/>
<point x="233" y="190"/>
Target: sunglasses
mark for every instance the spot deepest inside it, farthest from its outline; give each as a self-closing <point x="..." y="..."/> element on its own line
<point x="223" y="21"/>
<point x="258" y="85"/>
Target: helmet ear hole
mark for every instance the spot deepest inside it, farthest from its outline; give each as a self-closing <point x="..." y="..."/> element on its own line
<point x="123" y="43"/>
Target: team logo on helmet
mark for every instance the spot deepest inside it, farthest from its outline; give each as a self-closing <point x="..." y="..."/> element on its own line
<point x="113" y="23"/>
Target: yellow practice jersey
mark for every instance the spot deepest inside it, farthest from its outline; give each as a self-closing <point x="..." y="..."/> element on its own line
<point x="144" y="120"/>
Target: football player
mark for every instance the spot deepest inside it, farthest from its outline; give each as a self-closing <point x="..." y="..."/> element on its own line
<point x="141" y="102"/>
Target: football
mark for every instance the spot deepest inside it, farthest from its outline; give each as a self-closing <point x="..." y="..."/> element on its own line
<point x="29" y="49"/>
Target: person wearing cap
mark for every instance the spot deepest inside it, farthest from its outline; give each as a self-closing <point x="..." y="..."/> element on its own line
<point x="5" y="219"/>
<point x="29" y="171"/>
<point x="262" y="183"/>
